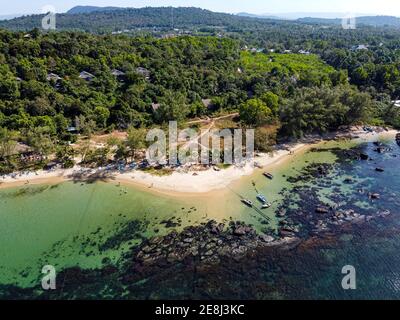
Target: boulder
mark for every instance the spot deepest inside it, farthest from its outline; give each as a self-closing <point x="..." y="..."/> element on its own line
<point x="374" y="195"/>
<point x="239" y="231"/>
<point x="322" y="210"/>
<point x="266" y="238"/>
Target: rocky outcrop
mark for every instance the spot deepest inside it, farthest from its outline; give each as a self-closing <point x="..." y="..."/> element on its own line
<point x="208" y="242"/>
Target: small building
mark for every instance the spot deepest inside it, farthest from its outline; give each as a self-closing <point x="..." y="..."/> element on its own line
<point x="207" y="103"/>
<point x="287" y="51"/>
<point x="72" y="129"/>
<point x="143" y="72"/>
<point x="86" y="76"/>
<point x="304" y="52"/>
<point x="53" y="77"/>
<point x="396" y="103"/>
<point x="359" y="47"/>
<point x="168" y="36"/>
<point x="155" y="106"/>
<point x="117" y="73"/>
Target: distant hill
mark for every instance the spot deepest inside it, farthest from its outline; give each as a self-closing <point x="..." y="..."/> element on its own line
<point x="375" y="21"/>
<point x="295" y="15"/>
<point x="90" y="9"/>
<point x="112" y="19"/>
<point x="9" y="16"/>
<point x="252" y="15"/>
<point x="100" y="20"/>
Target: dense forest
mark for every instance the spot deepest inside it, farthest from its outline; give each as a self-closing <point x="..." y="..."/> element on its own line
<point x="298" y="78"/>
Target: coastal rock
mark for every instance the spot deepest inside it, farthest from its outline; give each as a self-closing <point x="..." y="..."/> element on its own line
<point x="266" y="238"/>
<point x="281" y="213"/>
<point x="322" y="210"/>
<point x="380" y="149"/>
<point x="217" y="229"/>
<point x="384" y="213"/>
<point x="239" y="231"/>
<point x="156" y="240"/>
<point x="364" y="156"/>
<point x="374" y="196"/>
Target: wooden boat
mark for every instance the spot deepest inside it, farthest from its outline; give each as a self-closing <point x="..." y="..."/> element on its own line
<point x="262" y="198"/>
<point x="268" y="175"/>
<point x="247" y="202"/>
<point x="266" y="205"/>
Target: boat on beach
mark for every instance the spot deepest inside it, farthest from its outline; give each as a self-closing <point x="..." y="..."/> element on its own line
<point x="268" y="175"/>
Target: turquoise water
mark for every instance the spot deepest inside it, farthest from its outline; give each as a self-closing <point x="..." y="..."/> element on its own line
<point x="74" y="224"/>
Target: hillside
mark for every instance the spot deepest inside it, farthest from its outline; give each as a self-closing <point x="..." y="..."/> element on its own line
<point x="375" y="21"/>
<point x="125" y="19"/>
<point x="90" y="9"/>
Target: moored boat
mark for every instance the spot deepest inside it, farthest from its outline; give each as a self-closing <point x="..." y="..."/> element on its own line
<point x="266" y="205"/>
<point x="261" y="198"/>
<point x="268" y="175"/>
<point x="247" y="202"/>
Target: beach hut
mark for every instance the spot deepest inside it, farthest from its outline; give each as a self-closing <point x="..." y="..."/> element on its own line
<point x="117" y="73"/>
<point x="53" y="77"/>
<point x="143" y="72"/>
<point x="86" y="76"/>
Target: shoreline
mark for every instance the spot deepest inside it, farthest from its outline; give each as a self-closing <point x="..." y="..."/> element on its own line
<point x="191" y="182"/>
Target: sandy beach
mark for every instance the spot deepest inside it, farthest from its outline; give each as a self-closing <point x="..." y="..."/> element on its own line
<point x="190" y="182"/>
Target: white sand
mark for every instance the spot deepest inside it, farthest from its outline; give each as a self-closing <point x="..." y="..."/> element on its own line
<point x="204" y="181"/>
<point x="183" y="182"/>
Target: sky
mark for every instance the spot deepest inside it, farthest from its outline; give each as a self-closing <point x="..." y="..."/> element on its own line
<point x="381" y="7"/>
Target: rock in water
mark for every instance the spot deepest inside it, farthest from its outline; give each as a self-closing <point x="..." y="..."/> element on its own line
<point x="321" y="210"/>
<point x="374" y="195"/>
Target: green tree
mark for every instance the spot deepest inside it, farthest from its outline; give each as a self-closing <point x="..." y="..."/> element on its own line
<point x="8" y="143"/>
<point x="255" y="112"/>
<point x="173" y="107"/>
<point x="136" y="140"/>
<point x="101" y="115"/>
<point x="272" y="101"/>
<point x="40" y="141"/>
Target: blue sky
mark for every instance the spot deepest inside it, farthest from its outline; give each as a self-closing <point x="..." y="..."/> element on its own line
<point x="389" y="7"/>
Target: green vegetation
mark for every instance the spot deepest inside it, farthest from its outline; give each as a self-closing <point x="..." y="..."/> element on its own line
<point x="60" y="87"/>
<point x="306" y="68"/>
